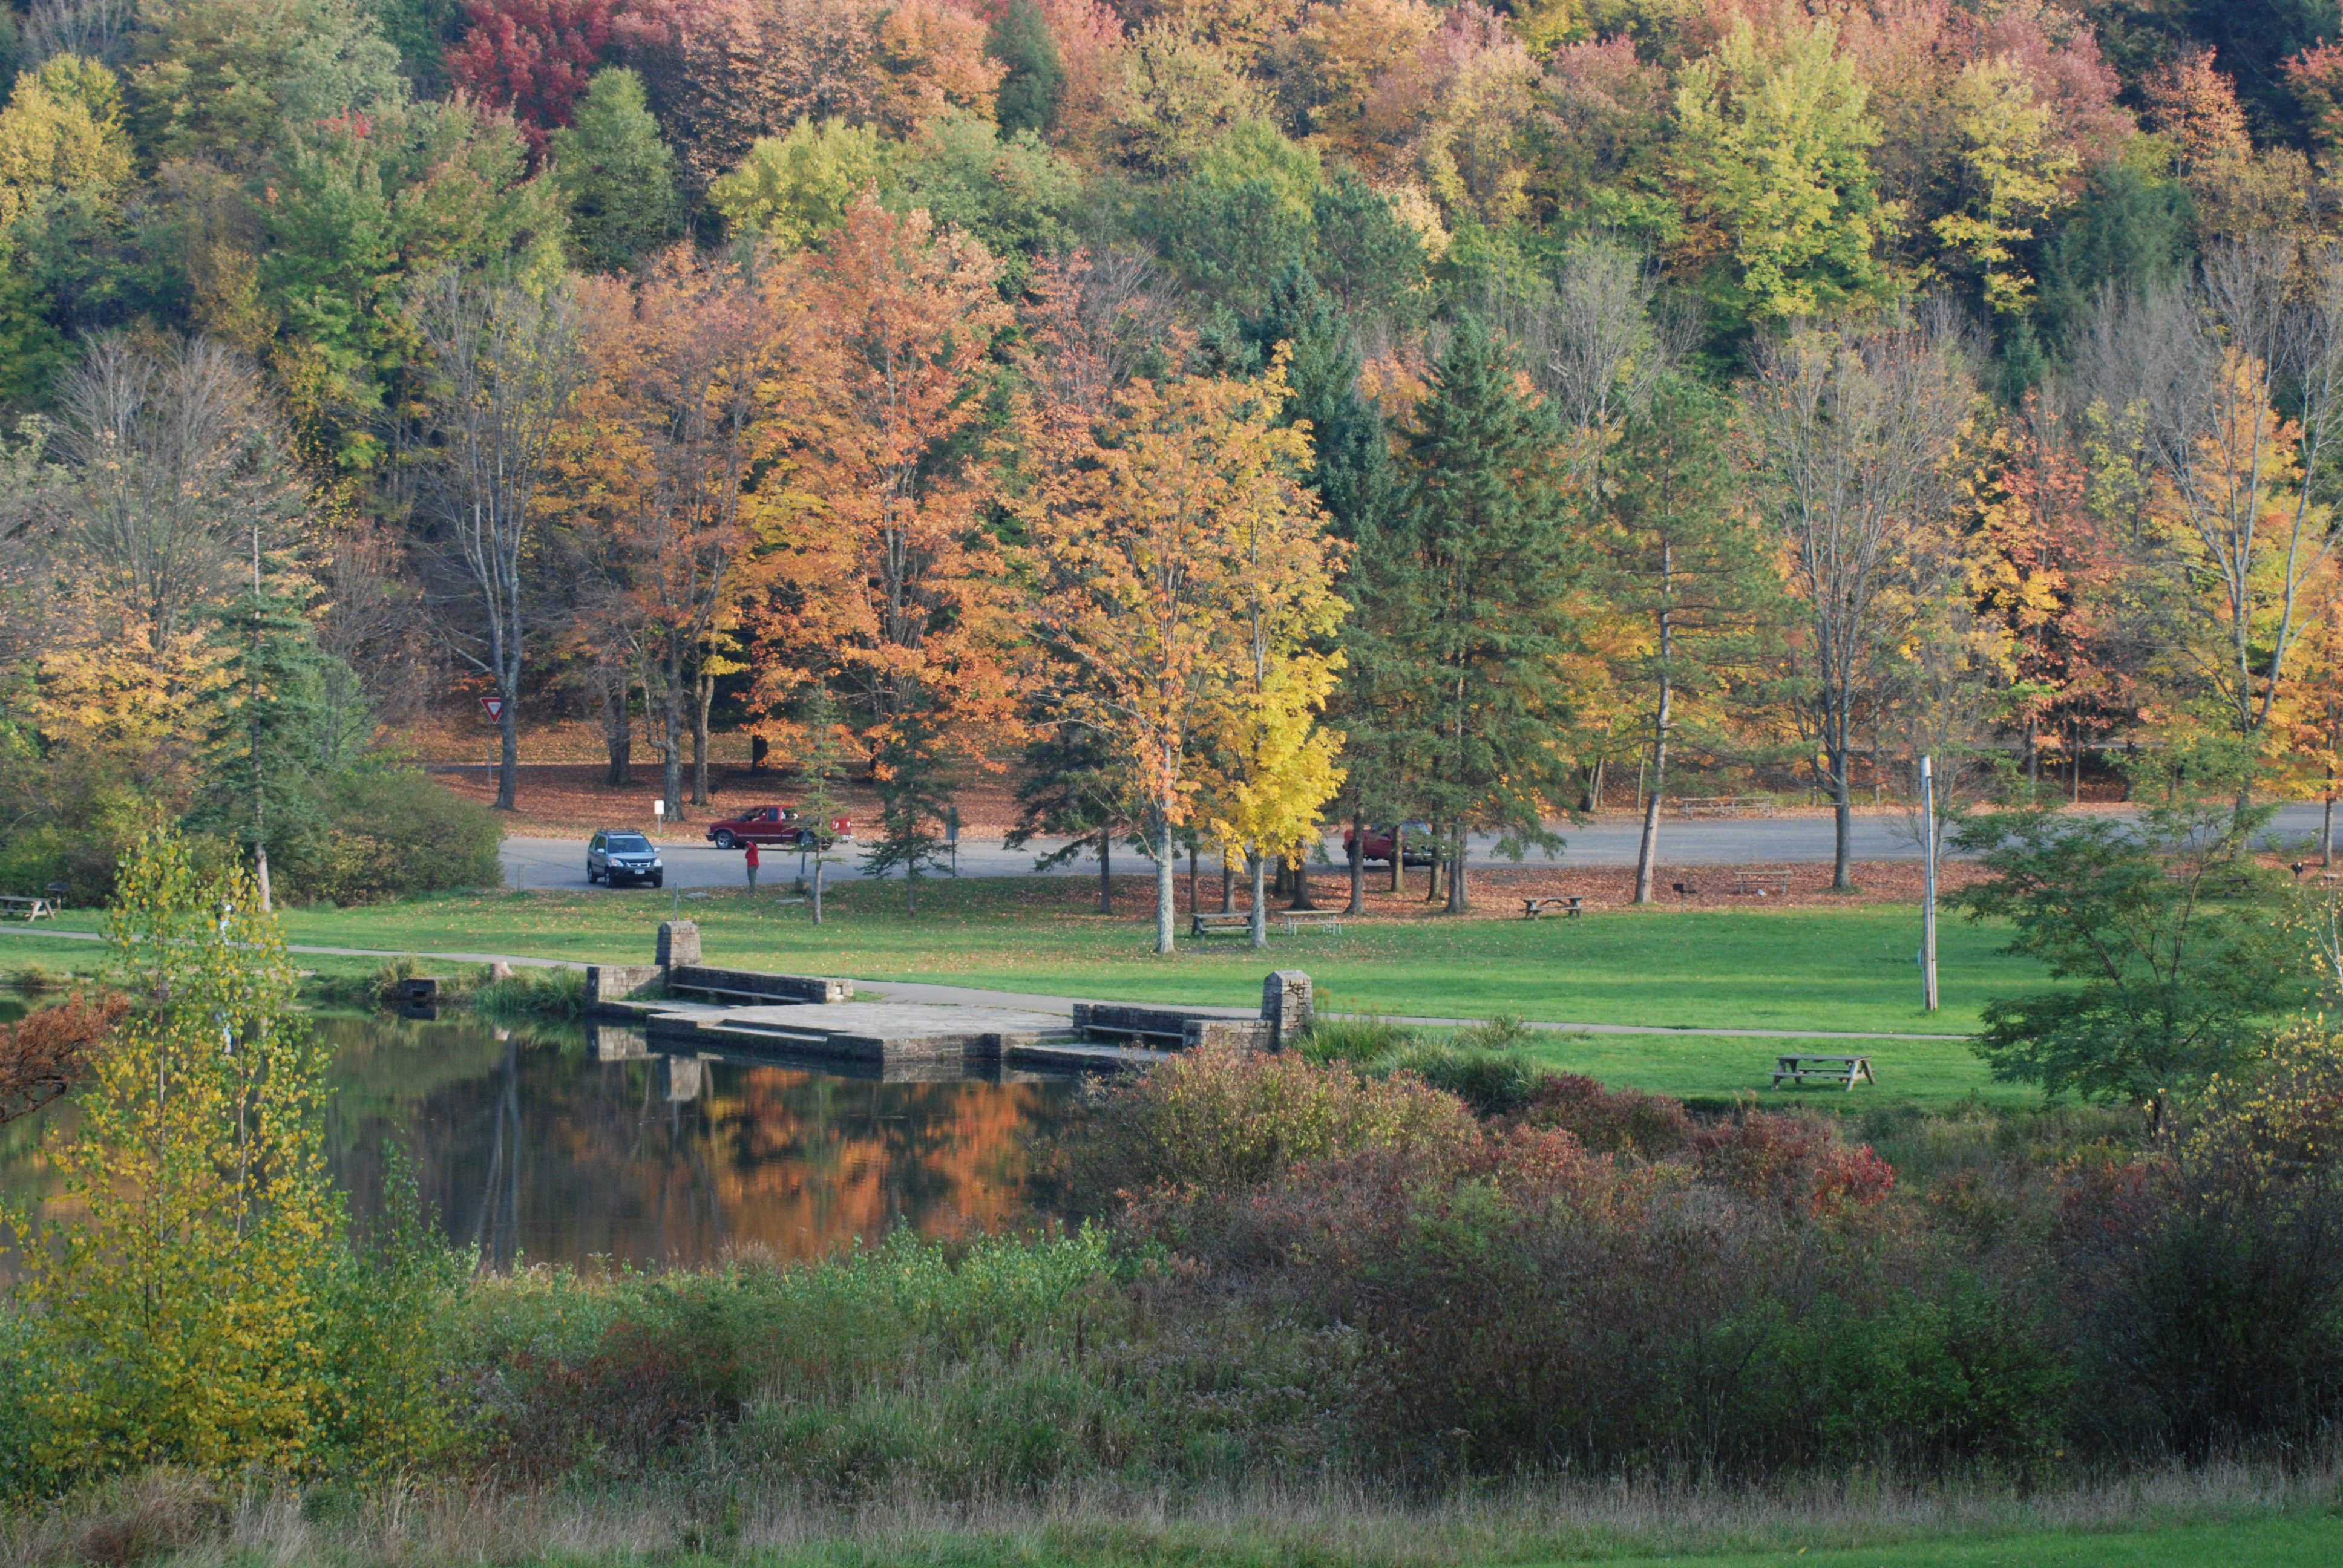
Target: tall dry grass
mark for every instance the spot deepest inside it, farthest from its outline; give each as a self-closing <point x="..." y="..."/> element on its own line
<point x="170" y="1518"/>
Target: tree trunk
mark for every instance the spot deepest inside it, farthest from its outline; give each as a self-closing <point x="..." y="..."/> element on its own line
<point x="1165" y="891"/>
<point x="1106" y="872"/>
<point x="1358" y="905"/>
<point x="2033" y="753"/>
<point x="1301" y="882"/>
<point x="1460" y="892"/>
<point x="1647" y="847"/>
<point x="1842" y="822"/>
<point x="1194" y="904"/>
<point x="702" y="699"/>
<point x="1228" y="887"/>
<point x="1259" y="924"/>
<point x="260" y="874"/>
<point x="672" y="747"/>
<point x="1399" y="858"/>
<point x="508" y="758"/>
<point x="617" y="726"/>
<point x="1432" y="880"/>
<point x="818" y="866"/>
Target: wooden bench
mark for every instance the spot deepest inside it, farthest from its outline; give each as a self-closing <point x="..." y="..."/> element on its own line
<point x="1758" y="879"/>
<point x="29" y="909"/>
<point x="1537" y="908"/>
<point x="1238" y="924"/>
<point x="1295" y="919"/>
<point x="1844" y="1071"/>
<point x="1722" y="806"/>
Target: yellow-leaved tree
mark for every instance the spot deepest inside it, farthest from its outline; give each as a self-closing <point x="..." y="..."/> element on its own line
<point x="182" y="1300"/>
<point x="1183" y="564"/>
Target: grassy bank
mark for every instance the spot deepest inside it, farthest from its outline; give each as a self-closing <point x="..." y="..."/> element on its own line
<point x="2238" y="1516"/>
<point x="1826" y="970"/>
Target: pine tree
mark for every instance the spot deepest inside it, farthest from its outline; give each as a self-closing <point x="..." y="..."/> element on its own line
<point x="1467" y="618"/>
<point x="1355" y="475"/>
<point x="616" y="175"/>
<point x="826" y="754"/>
<point x="1020" y="40"/>
<point x="1686" y="568"/>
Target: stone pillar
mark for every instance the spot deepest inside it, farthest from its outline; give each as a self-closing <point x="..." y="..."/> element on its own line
<point x="1285" y="1006"/>
<point x="678" y="944"/>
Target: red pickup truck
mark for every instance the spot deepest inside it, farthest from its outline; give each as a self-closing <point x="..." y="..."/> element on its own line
<point x="1415" y="842"/>
<point x="775" y="825"/>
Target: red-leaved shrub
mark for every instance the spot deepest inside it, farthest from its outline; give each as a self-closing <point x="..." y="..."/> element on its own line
<point x="1611" y="1121"/>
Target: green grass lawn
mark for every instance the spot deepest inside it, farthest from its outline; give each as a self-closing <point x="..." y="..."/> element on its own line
<point x="1830" y="969"/>
<point x="1926" y="1073"/>
<point x="1826" y="970"/>
<point x="2274" y="1543"/>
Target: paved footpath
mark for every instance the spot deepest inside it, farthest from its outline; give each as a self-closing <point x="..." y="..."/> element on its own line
<point x="970" y="996"/>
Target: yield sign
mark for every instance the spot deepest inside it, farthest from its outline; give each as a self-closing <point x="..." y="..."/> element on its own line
<point x="495" y="705"/>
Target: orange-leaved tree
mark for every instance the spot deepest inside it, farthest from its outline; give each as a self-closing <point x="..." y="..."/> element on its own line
<point x="654" y="471"/>
<point x="876" y="574"/>
<point x="1169" y="521"/>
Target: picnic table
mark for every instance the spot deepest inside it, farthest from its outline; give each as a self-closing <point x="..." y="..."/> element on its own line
<point x="28" y="908"/>
<point x="1295" y="919"/>
<point x="1232" y="925"/>
<point x="1722" y="806"/>
<point x="1843" y="1071"/>
<point x="1758" y="879"/>
<point x="1537" y="908"/>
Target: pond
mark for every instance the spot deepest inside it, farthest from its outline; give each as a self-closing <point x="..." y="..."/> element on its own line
<point x="571" y="1145"/>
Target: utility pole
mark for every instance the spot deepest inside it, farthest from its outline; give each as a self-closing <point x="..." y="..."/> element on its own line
<point x="1928" y="885"/>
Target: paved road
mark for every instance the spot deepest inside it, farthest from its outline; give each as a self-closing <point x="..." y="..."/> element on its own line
<point x="1609" y="842"/>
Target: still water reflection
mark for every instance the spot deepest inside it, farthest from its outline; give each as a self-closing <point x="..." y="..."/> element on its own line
<point x="564" y="1146"/>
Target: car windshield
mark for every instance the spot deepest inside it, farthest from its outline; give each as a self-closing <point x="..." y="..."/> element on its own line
<point x="630" y="844"/>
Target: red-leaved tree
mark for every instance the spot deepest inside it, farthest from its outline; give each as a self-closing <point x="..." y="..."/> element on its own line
<point x="531" y="57"/>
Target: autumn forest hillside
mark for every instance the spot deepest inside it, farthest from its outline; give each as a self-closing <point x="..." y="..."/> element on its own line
<point x="1214" y="417"/>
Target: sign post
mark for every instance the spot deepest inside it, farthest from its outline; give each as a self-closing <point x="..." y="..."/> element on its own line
<point x="1927" y="884"/>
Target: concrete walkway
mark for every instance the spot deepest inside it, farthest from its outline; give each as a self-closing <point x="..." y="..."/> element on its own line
<point x="970" y="996"/>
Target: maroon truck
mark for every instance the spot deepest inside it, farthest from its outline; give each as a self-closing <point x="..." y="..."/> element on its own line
<point x="775" y="825"/>
<point x="1414" y="843"/>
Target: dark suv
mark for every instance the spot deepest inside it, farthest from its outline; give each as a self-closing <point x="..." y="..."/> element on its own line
<point x="615" y="855"/>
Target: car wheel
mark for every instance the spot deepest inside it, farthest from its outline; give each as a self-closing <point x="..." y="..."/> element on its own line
<point x="590" y="873"/>
<point x="724" y="840"/>
<point x="658" y="881"/>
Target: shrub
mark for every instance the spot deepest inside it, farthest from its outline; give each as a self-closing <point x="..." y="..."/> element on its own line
<point x="1223" y="1120"/>
<point x="1797" y="1162"/>
<point x="1610" y="1120"/>
<point x="555" y="994"/>
<point x="2205" y="1282"/>
<point x="1493" y="1083"/>
<point x="1502" y="1032"/>
<point x="393" y="832"/>
<point x="1360" y="1041"/>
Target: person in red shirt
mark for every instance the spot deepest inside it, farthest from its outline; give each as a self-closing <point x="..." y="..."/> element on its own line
<point x="753" y="865"/>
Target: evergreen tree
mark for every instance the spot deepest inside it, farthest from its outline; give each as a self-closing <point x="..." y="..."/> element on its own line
<point x="1688" y="569"/>
<point x="1465" y="619"/>
<point x="616" y="175"/>
<point x="912" y="800"/>
<point x="817" y="807"/>
<point x="1020" y="40"/>
<point x="1074" y="788"/>
<point x="293" y="719"/>
<point x="1355" y="475"/>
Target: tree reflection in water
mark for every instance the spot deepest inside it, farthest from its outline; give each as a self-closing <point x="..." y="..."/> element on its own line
<point x="527" y="1145"/>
